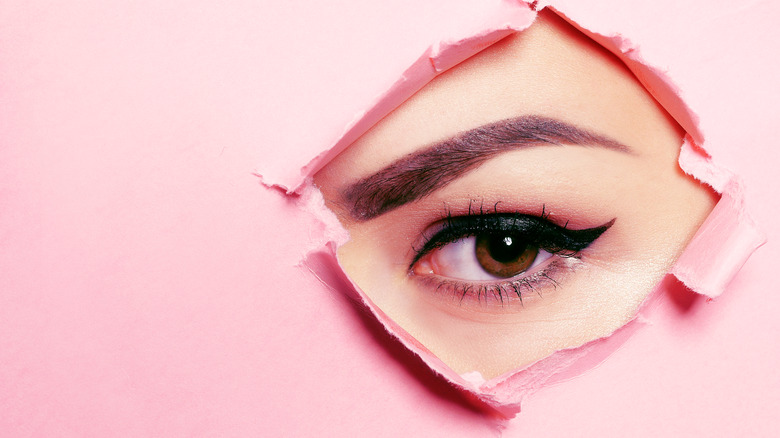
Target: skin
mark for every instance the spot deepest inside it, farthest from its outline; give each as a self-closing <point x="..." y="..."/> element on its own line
<point x="549" y="70"/>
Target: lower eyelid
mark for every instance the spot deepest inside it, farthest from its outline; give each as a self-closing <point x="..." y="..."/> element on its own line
<point x="487" y="295"/>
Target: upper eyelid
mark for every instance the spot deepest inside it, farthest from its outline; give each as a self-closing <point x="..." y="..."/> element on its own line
<point x="566" y="239"/>
<point x="487" y="219"/>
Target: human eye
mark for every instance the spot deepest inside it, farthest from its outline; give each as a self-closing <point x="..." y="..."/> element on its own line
<point x="498" y="257"/>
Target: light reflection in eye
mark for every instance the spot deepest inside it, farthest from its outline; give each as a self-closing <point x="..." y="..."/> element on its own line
<point x="497" y="254"/>
<point x="481" y="258"/>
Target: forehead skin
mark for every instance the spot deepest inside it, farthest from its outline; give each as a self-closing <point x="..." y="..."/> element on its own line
<point x="550" y="69"/>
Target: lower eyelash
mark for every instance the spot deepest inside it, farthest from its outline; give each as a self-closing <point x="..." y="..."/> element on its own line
<point x="507" y="291"/>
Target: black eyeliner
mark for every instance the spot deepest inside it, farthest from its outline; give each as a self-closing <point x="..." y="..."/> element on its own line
<point x="538" y="231"/>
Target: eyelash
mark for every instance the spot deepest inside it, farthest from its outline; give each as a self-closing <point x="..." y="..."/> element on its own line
<point x="540" y="233"/>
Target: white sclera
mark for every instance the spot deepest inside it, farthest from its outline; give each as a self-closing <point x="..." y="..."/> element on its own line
<point x="458" y="260"/>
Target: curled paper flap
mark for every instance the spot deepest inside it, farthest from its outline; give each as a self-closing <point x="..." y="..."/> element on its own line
<point x="728" y="237"/>
<point x="721" y="246"/>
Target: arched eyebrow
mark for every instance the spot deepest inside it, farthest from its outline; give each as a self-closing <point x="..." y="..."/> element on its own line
<point x="418" y="174"/>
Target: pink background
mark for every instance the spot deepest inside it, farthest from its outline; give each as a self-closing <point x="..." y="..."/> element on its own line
<point x="149" y="284"/>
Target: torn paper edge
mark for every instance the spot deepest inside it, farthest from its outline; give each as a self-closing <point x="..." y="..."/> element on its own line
<point x="721" y="246"/>
<point x="656" y="81"/>
<point x="728" y="237"/>
<point x="439" y="57"/>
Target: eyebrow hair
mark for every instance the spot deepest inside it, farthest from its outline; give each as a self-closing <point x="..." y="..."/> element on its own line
<point x="418" y="174"/>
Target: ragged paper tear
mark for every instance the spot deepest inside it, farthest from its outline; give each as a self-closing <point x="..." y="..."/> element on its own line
<point x="714" y="256"/>
<point x="439" y="57"/>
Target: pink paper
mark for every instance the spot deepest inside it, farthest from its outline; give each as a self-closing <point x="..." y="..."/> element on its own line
<point x="715" y="255"/>
<point x="149" y="286"/>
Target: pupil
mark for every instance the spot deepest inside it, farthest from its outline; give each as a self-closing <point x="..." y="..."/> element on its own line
<point x="505" y="249"/>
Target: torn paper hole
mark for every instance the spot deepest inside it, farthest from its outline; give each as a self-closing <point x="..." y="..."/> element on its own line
<point x="454" y="317"/>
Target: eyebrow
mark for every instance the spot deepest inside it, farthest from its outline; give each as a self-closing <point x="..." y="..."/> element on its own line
<point x="420" y="173"/>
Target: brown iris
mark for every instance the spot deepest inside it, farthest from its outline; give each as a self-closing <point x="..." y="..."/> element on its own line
<point x="504" y="255"/>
